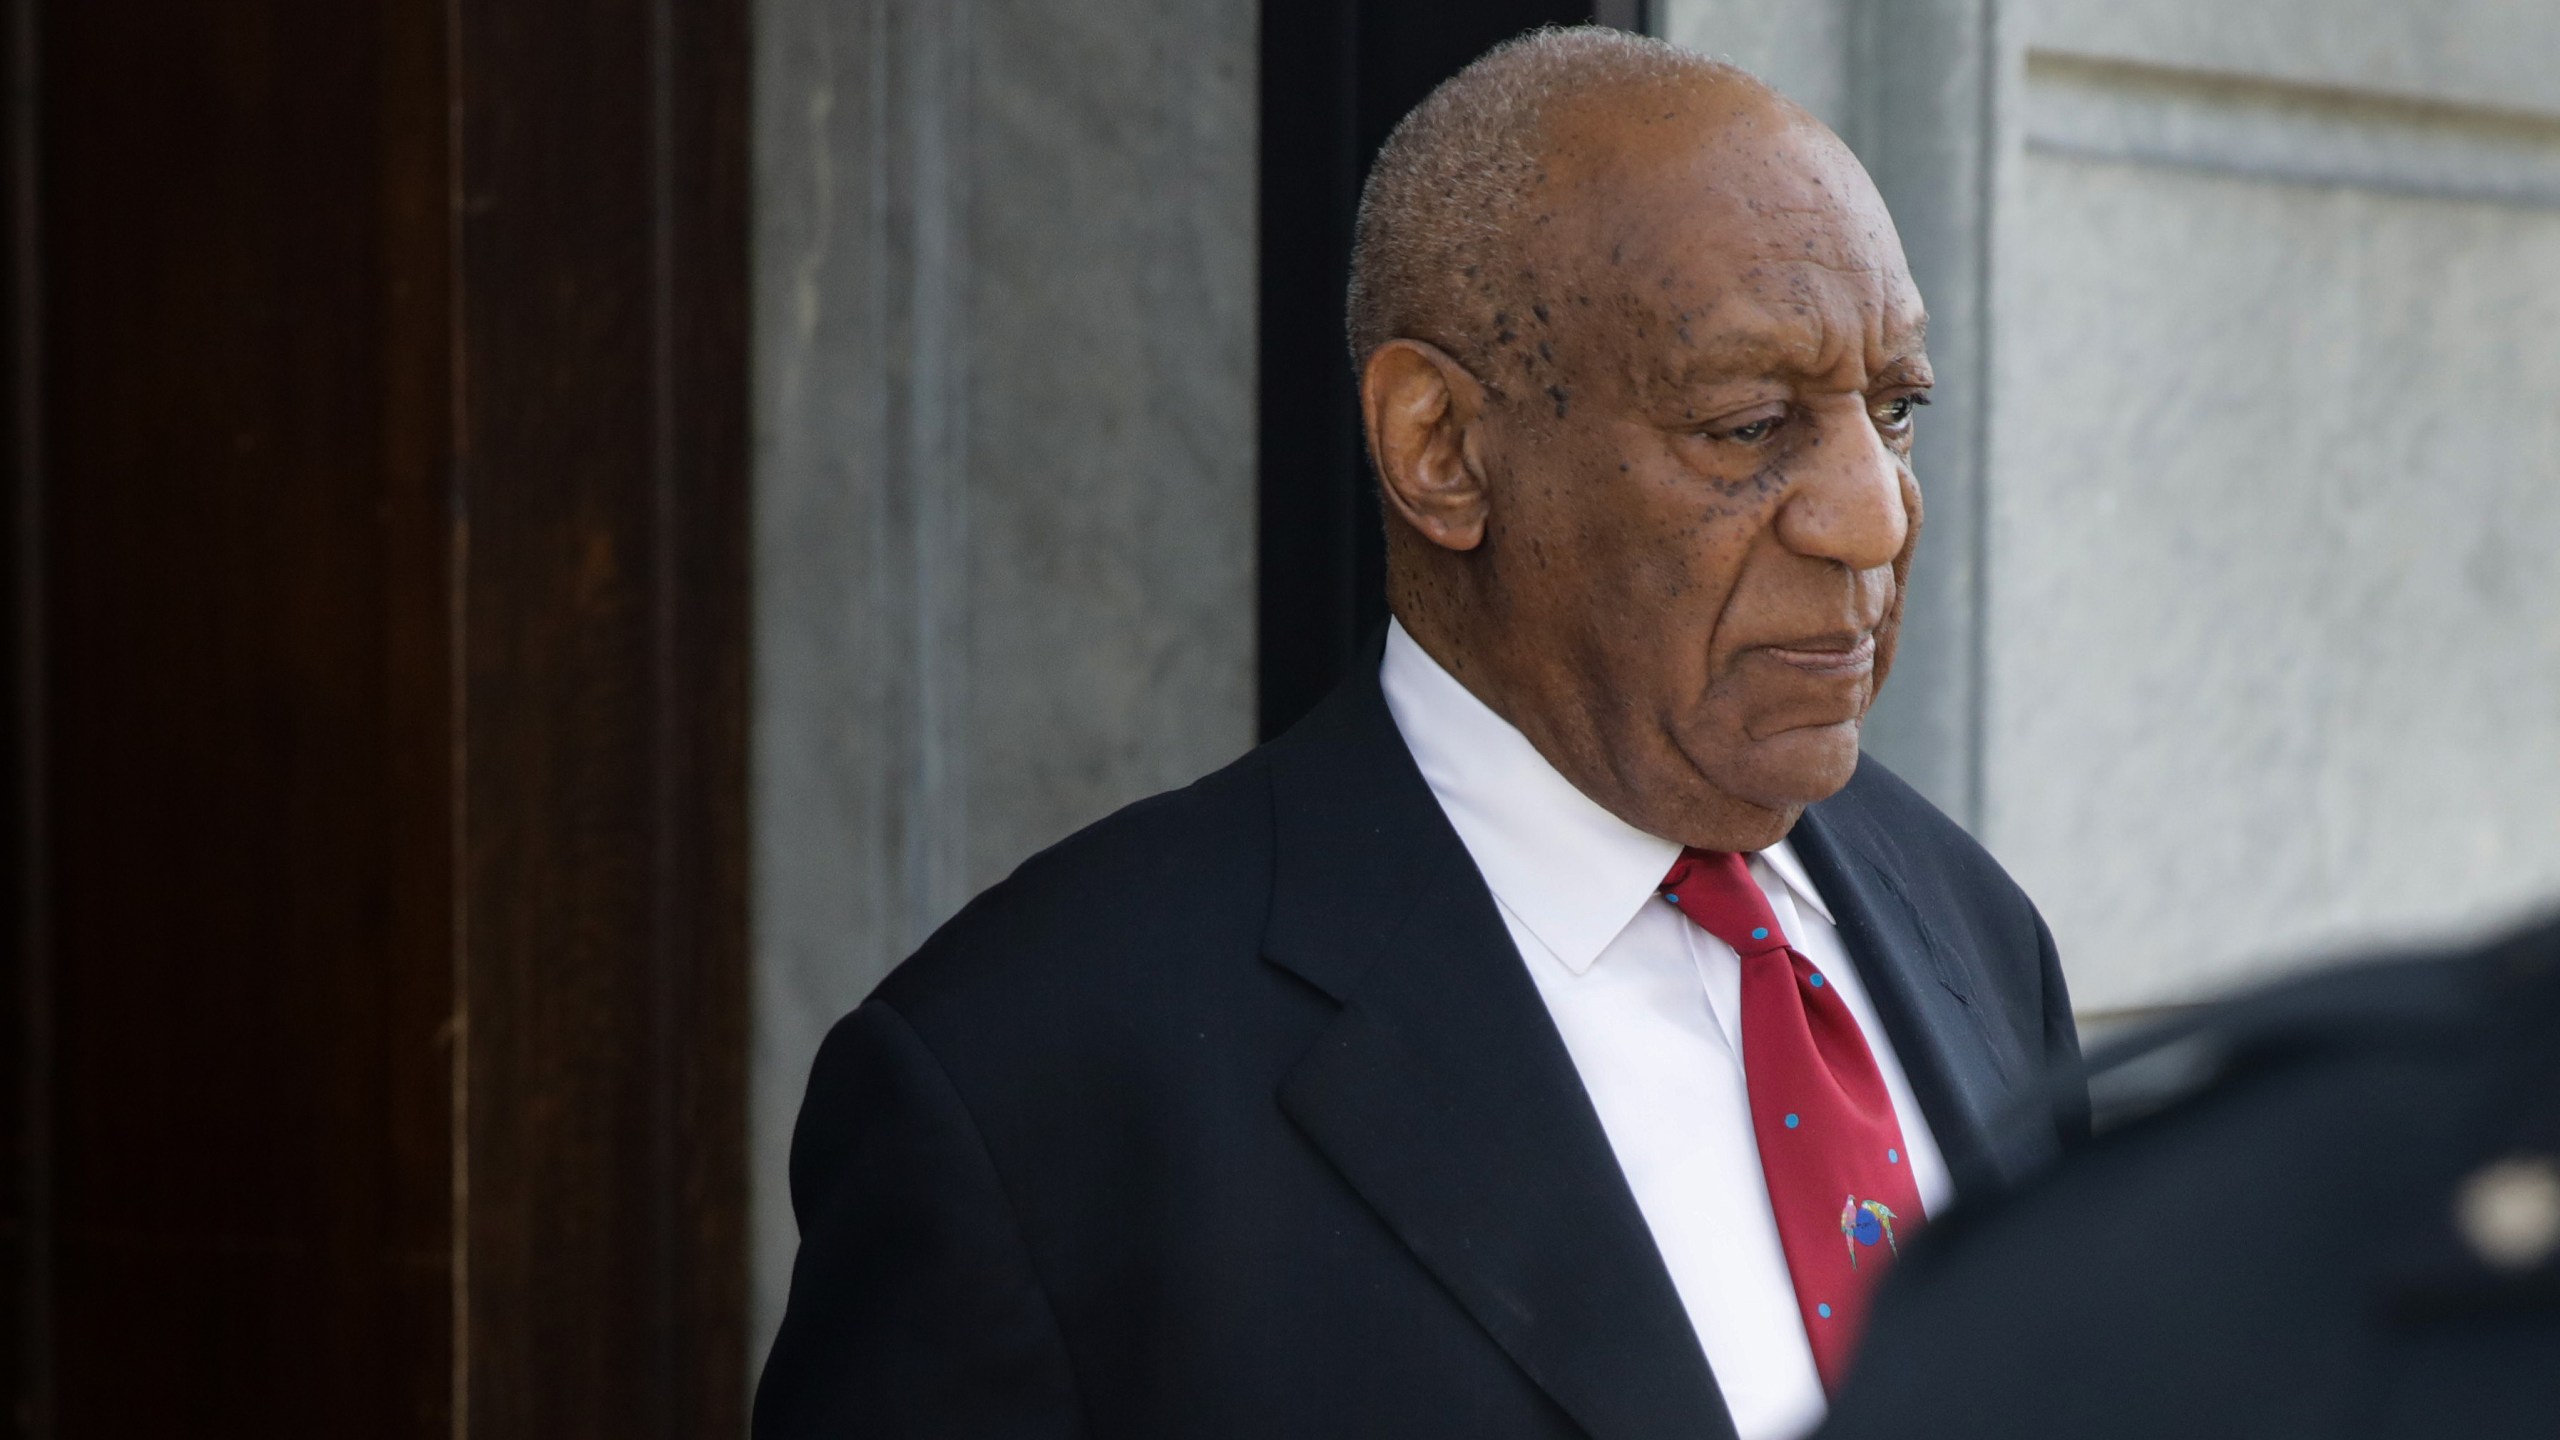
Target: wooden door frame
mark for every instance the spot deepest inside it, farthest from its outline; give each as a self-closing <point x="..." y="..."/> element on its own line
<point x="519" y="526"/>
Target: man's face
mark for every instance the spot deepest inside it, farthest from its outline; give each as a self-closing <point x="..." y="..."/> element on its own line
<point x="1700" y="501"/>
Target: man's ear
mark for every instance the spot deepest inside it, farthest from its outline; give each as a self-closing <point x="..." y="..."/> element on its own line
<point x="1421" y="407"/>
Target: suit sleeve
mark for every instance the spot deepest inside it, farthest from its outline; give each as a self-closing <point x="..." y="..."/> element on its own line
<point x="2061" y="1044"/>
<point x="914" y="1310"/>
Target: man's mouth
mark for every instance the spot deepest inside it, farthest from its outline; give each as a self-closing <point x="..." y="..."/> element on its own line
<point x="1829" y="656"/>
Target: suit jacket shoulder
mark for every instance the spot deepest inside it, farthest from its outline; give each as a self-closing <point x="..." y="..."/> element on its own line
<point x="1885" y="857"/>
<point x="1112" y="914"/>
<point x="1915" y="841"/>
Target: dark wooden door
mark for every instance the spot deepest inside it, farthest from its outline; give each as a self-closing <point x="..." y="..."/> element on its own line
<point x="375" y="399"/>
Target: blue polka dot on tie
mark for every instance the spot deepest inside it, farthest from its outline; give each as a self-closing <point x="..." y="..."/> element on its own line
<point x="1760" y="934"/>
<point x="1674" y="899"/>
<point x="1792" y="1122"/>
<point x="1817" y="982"/>
<point x="1822" y="1310"/>
<point x="1893" y="1157"/>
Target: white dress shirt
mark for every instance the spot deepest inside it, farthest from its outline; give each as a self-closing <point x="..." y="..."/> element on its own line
<point x="1650" y="1007"/>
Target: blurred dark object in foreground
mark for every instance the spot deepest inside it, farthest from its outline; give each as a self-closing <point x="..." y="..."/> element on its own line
<point x="2332" y="1209"/>
<point x="374" y="997"/>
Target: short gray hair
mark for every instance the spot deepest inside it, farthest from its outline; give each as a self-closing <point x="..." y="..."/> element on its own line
<point x="1433" y="254"/>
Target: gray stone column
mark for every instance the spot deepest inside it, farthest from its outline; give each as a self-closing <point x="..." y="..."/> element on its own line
<point x="1004" y="467"/>
<point x="1927" y="85"/>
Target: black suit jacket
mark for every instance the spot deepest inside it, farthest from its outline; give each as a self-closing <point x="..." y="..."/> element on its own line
<point x="1238" y="1114"/>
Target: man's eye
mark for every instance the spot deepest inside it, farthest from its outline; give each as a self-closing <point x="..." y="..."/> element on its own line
<point x="1753" y="433"/>
<point x="1896" y="413"/>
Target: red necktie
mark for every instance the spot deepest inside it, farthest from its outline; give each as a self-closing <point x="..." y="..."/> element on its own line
<point x="1839" y="1176"/>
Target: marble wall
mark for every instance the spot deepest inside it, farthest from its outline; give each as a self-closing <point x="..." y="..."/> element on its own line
<point x="1004" y="468"/>
<point x="2266" y="614"/>
<point x="2274" y="619"/>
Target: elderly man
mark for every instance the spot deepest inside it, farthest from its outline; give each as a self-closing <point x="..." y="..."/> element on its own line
<point x="1560" y="1030"/>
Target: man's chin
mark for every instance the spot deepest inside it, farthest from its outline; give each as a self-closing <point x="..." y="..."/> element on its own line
<point x="1794" y="768"/>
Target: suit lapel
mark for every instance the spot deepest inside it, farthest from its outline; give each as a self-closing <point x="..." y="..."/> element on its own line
<point x="1444" y="1096"/>
<point x="1919" y="994"/>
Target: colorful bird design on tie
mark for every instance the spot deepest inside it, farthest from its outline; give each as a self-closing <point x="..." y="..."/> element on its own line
<point x="1864" y="1223"/>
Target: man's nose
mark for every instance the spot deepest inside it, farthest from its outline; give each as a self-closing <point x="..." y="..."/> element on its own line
<point x="1845" y="502"/>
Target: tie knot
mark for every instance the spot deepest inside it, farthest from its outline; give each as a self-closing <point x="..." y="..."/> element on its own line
<point x="1715" y="890"/>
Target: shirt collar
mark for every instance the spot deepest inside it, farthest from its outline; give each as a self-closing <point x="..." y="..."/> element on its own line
<point x="1573" y="873"/>
<point x="1781" y="857"/>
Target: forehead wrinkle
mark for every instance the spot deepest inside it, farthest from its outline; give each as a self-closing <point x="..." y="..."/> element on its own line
<point x="1862" y="268"/>
<point x="1738" y="354"/>
<point x="1758" y="311"/>
<point x="1788" y="352"/>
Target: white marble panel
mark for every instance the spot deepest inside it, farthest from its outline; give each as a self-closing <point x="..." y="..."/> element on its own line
<point x="2274" y="614"/>
<point x="2491" y="53"/>
<point x="2112" y="110"/>
<point x="1112" y="474"/>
